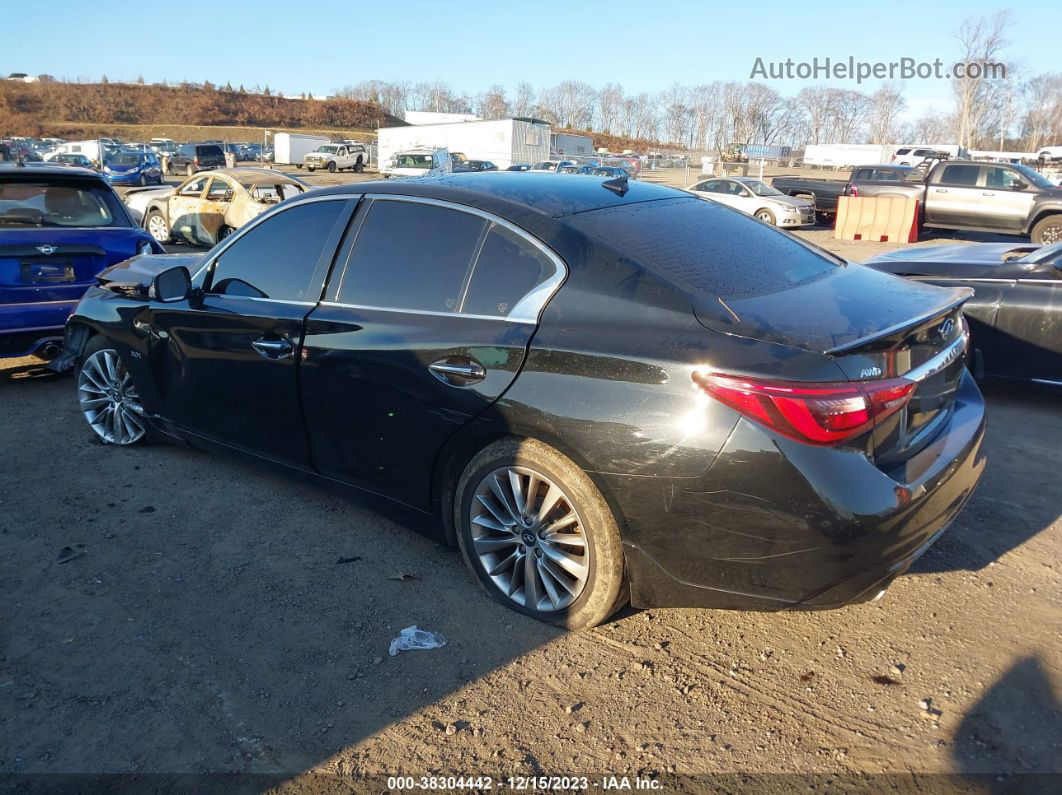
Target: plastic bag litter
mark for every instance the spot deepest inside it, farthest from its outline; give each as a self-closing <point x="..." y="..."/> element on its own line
<point x="412" y="638"/>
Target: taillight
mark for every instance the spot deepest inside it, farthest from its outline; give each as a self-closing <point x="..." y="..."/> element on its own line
<point x="854" y="190"/>
<point x="819" y="414"/>
<point x="195" y="163"/>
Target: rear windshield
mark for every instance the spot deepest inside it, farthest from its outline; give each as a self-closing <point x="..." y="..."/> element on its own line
<point x="209" y="150"/>
<point x="704" y="247"/>
<point x="62" y="204"/>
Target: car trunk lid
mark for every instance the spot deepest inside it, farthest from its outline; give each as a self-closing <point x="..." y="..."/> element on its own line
<point x="873" y="326"/>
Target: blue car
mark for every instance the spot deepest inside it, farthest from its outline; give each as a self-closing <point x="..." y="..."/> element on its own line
<point x="133" y="168"/>
<point x="59" y="227"/>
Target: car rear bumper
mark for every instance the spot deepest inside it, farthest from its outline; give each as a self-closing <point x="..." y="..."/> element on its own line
<point x="25" y="328"/>
<point x="778" y="525"/>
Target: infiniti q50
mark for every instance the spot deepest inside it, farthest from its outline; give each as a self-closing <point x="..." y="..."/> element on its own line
<point x="603" y="390"/>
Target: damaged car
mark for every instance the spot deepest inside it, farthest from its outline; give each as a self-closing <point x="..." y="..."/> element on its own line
<point x="602" y="390"/>
<point x="209" y="207"/>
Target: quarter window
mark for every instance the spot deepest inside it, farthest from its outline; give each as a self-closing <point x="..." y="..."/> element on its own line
<point x="277" y="258"/>
<point x="411" y="256"/>
<point x="508" y="267"/>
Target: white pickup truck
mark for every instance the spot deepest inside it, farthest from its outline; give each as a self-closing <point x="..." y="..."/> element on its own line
<point x="336" y="157"/>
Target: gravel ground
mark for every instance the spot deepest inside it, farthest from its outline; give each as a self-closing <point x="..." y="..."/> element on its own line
<point x="163" y="610"/>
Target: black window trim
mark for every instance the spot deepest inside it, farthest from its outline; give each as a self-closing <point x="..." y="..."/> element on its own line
<point x="208" y="266"/>
<point x="526" y="310"/>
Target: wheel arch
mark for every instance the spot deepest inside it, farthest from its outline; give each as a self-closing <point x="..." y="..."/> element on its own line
<point x="1046" y="212"/>
<point x="467" y="442"/>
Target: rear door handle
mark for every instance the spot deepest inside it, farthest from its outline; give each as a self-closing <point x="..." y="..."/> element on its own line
<point x="272" y="348"/>
<point x="988" y="193"/>
<point x="458" y="371"/>
<point x="939" y="190"/>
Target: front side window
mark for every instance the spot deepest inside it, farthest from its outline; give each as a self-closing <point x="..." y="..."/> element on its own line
<point x="1002" y="178"/>
<point x="195" y="187"/>
<point x="508" y="267"/>
<point x="277" y="258"/>
<point x="411" y="256"/>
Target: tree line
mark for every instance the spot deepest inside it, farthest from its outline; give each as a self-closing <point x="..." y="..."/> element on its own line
<point x="1019" y="112"/>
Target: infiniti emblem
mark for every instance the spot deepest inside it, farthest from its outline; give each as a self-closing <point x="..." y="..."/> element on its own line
<point x="946" y="328"/>
<point x="46" y="249"/>
<point x="528" y="538"/>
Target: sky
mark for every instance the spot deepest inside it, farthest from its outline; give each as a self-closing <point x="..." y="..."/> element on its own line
<point x="319" y="47"/>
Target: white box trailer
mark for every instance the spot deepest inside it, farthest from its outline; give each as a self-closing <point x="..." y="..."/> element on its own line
<point x="570" y="145"/>
<point x="502" y="141"/>
<point x="291" y="148"/>
<point x="847" y="155"/>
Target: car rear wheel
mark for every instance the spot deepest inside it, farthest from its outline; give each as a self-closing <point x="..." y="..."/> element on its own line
<point x="107" y="395"/>
<point x="538" y="536"/>
<point x="1047" y="230"/>
<point x="189" y="171"/>
<point x="766" y="216"/>
<point x="157" y="227"/>
<point x="332" y="167"/>
<point x="359" y="166"/>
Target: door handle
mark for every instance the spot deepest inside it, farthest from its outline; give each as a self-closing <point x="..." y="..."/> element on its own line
<point x="939" y="190"/>
<point x="988" y="193"/>
<point x="458" y="371"/>
<point x="272" y="348"/>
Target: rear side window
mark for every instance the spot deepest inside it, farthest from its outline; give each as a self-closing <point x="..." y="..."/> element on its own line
<point x="507" y="269"/>
<point x="960" y="175"/>
<point x="704" y="247"/>
<point x="902" y="151"/>
<point x="411" y="256"/>
<point x="277" y="258"/>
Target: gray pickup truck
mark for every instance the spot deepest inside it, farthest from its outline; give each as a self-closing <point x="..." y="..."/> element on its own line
<point x="982" y="197"/>
<point x="825" y="192"/>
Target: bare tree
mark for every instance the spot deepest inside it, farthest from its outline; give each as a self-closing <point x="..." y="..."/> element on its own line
<point x="524" y="103"/>
<point x="981" y="40"/>
<point x="886" y="104"/>
<point x="492" y="103"/>
<point x="609" y="106"/>
<point x="932" y="127"/>
<point x="1041" y="122"/>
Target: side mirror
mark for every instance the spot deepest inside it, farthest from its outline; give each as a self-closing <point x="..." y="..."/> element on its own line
<point x="171" y="285"/>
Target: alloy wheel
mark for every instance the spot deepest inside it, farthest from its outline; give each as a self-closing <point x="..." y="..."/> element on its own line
<point x="158" y="228"/>
<point x="109" y="399"/>
<point x="529" y="539"/>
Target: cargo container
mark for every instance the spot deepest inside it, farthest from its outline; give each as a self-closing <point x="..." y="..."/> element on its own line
<point x="502" y="141"/>
<point x="291" y="148"/>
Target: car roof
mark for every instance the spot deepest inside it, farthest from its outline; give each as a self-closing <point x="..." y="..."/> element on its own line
<point x="252" y="176"/>
<point x="509" y="194"/>
<point x="10" y="169"/>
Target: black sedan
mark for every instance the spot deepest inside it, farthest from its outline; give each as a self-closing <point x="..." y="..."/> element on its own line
<point x="468" y="166"/>
<point x="603" y="391"/>
<point x="1016" y="312"/>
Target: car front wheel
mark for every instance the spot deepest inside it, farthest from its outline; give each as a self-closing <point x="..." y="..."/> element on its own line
<point x="157" y="227"/>
<point x="1048" y="230"/>
<point x="766" y="216"/>
<point x="107" y="395"/>
<point x="538" y="535"/>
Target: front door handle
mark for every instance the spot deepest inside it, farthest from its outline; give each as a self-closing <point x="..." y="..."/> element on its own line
<point x="458" y="370"/>
<point x="940" y="190"/>
<point x="988" y="193"/>
<point x="272" y="348"/>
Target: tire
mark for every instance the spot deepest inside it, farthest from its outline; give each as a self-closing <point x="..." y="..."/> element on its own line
<point x="332" y="167"/>
<point x="309" y="168"/>
<point x="766" y="216"/>
<point x="107" y="396"/>
<point x="596" y="585"/>
<point x="224" y="232"/>
<point x="1047" y="230"/>
<point x="158" y="227"/>
<point x="142" y="181"/>
<point x="359" y="166"/>
<point x="189" y="171"/>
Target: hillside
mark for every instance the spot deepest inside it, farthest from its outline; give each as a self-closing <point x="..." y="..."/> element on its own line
<point x="68" y="109"/>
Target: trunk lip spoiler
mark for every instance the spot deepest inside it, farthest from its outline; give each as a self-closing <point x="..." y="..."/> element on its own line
<point x="960" y="295"/>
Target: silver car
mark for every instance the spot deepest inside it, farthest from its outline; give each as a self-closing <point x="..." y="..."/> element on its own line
<point x="758" y="199"/>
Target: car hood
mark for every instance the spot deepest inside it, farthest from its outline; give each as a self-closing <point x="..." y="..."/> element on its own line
<point x="850" y="304"/>
<point x="134" y="275"/>
<point x="789" y="201"/>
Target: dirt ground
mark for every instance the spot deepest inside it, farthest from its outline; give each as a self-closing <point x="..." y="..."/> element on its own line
<point x="167" y="611"/>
